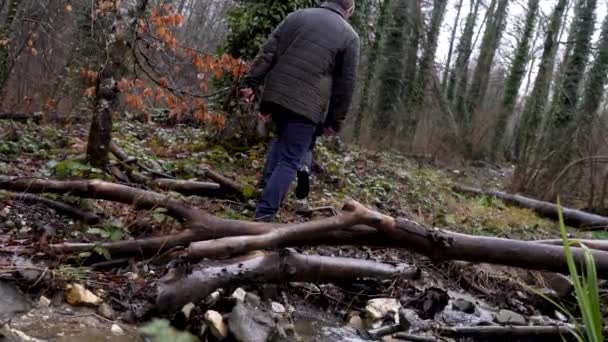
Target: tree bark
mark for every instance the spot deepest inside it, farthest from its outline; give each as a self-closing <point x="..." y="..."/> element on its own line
<point x="371" y="69"/>
<point x="448" y="63"/>
<point x="572" y="217"/>
<point x="354" y="214"/>
<point x="516" y="75"/>
<point x="5" y="42"/>
<point x="507" y="331"/>
<point x="106" y="98"/>
<point x="176" y="290"/>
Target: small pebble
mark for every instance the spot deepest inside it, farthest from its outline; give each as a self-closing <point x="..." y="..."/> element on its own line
<point x="239" y="294"/>
<point x="117" y="330"/>
<point x="278" y="308"/>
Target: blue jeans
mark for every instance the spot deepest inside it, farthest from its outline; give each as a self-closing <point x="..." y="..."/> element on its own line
<point x="286" y="152"/>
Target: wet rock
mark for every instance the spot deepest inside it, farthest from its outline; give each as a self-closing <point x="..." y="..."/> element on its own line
<point x="216" y="324"/>
<point x="187" y="310"/>
<point x="356" y="322"/>
<point x="43" y="302"/>
<point x="379" y="308"/>
<point x="76" y="294"/>
<point x="105" y="310"/>
<point x="508" y="317"/>
<point x="463" y="305"/>
<point x="432" y="301"/>
<point x="409" y="320"/>
<point x="559" y="283"/>
<point x="117" y="330"/>
<point x="252" y="299"/>
<point x="278" y="308"/>
<point x="249" y="325"/>
<point x="239" y="294"/>
<point x="12" y="302"/>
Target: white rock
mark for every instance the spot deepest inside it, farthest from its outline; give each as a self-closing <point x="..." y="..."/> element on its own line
<point x="43" y="302"/>
<point x="187" y="309"/>
<point x="379" y="308"/>
<point x="116" y="330"/>
<point x="105" y="311"/>
<point x="76" y="294"/>
<point x="239" y="294"/>
<point x="216" y="324"/>
<point x="278" y="308"/>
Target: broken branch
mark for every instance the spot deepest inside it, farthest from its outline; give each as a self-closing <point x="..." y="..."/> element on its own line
<point x="176" y="290"/>
<point x="355" y="213"/>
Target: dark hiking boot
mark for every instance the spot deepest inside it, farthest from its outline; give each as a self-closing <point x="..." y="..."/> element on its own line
<point x="303" y="186"/>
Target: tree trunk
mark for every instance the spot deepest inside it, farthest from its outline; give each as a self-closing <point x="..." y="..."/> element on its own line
<point x="427" y="62"/>
<point x="516" y="75"/>
<point x="527" y="128"/>
<point x="413" y="27"/>
<point x="561" y="122"/>
<point x="458" y="77"/>
<point x="5" y="43"/>
<point x="444" y="80"/>
<point x="379" y="28"/>
<point x="479" y="84"/>
<point x="106" y="97"/>
<point x="390" y="79"/>
<point x="593" y="94"/>
<point x="177" y="289"/>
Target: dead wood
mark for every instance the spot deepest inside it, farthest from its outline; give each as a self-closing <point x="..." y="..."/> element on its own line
<point x="227" y="184"/>
<point x="354" y="213"/>
<point x="601" y="245"/>
<point x="59" y="207"/>
<point x="176" y="290"/>
<point x="503" y="331"/>
<point x="437" y="244"/>
<point x="572" y="217"/>
<point x="385" y="330"/>
<point x="442" y="245"/>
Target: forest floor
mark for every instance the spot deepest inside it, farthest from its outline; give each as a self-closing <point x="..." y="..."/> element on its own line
<point x="386" y="181"/>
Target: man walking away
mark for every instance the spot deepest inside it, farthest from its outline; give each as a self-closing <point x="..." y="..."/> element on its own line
<point x="308" y="66"/>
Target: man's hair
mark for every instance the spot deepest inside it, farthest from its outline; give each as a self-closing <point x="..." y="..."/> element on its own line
<point x="345" y="4"/>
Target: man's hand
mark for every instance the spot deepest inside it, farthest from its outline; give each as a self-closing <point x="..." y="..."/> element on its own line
<point x="248" y="94"/>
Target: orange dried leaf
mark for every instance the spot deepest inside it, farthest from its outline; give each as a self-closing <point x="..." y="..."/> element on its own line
<point x="148" y="92"/>
<point x="89" y="92"/>
<point x="124" y="84"/>
<point x="139" y="83"/>
<point x="164" y="82"/>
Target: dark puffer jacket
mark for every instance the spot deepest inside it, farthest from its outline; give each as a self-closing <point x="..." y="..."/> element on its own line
<point x="309" y="65"/>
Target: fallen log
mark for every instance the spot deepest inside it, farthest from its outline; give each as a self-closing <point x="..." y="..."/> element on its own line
<point x="506" y="331"/>
<point x="600" y="245"/>
<point x="176" y="290"/>
<point x="227" y="184"/>
<point x="437" y="244"/>
<point x="354" y="213"/>
<point x="572" y="217"/>
<point x="59" y="207"/>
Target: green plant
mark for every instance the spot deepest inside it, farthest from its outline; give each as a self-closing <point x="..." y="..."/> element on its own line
<point x="586" y="287"/>
<point x="586" y="290"/>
